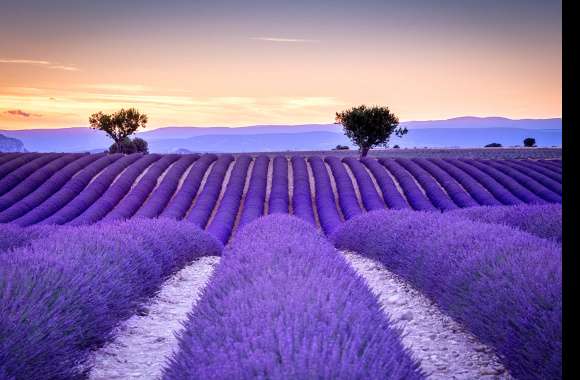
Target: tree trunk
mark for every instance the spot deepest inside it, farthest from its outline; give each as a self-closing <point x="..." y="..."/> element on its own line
<point x="364" y="151"/>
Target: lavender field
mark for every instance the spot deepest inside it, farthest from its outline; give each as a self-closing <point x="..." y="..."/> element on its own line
<point x="326" y="266"/>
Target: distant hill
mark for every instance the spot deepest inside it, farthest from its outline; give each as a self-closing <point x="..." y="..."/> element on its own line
<point x="456" y="132"/>
<point x="9" y="144"/>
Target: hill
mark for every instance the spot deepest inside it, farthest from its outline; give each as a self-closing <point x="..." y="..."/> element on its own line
<point x="463" y="132"/>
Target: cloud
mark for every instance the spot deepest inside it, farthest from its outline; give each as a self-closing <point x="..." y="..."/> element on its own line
<point x="277" y="39"/>
<point x="20" y="113"/>
<point x="65" y="68"/>
<point x="35" y="62"/>
<point x="25" y="61"/>
<point x="122" y="87"/>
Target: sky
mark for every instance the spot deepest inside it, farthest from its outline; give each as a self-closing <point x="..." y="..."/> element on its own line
<point x="235" y="63"/>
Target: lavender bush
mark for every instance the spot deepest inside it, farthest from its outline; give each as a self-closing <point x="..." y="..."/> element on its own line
<point x="325" y="202"/>
<point x="451" y="186"/>
<point x="503" y="284"/>
<point x="541" y="220"/>
<point x="369" y="195"/>
<point x="528" y="182"/>
<point x="5" y="157"/>
<point x="414" y="195"/>
<point x="302" y="197"/>
<point x="161" y="203"/>
<point x="283" y="304"/>
<point x="53" y="202"/>
<point x="346" y="195"/>
<point x="13" y="236"/>
<point x="489" y="183"/>
<point x="10" y="180"/>
<point x="540" y="169"/>
<point x="433" y="190"/>
<point x="278" y="202"/>
<point x="536" y="174"/>
<point x="114" y="193"/>
<point x="391" y="194"/>
<point x="17" y="162"/>
<point x="92" y="192"/>
<point x="205" y="203"/>
<point x="554" y="165"/>
<point x="254" y="203"/>
<point x="132" y="201"/>
<point x="25" y="186"/>
<point x="62" y="296"/>
<point x="508" y="183"/>
<point x="223" y="221"/>
<point x="471" y="185"/>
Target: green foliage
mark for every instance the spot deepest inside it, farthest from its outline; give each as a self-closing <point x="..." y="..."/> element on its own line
<point x="119" y="125"/>
<point x="369" y="126"/>
<point x="128" y="146"/>
<point x="529" y="142"/>
<point x="493" y="145"/>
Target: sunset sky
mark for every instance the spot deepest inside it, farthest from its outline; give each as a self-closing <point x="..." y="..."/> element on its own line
<point x="232" y="63"/>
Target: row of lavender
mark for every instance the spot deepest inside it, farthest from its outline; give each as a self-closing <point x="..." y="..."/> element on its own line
<point x="283" y="303"/>
<point x="220" y="193"/>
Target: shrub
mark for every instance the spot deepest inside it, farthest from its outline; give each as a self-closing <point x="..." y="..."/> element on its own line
<point x="163" y="201"/>
<point x="341" y="147"/>
<point x="283" y="304"/>
<point x="529" y="142"/>
<point x="223" y="221"/>
<point x="62" y="296"/>
<point x="346" y="195"/>
<point x="256" y="195"/>
<point x="544" y="221"/>
<point x="493" y="145"/>
<point x="63" y="191"/>
<point x="279" y="202"/>
<point x="370" y="197"/>
<point x="205" y="202"/>
<point x="503" y="284"/>
<point x="128" y="146"/>
<point x="328" y="215"/>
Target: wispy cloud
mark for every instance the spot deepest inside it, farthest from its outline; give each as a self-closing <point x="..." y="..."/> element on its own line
<point x="122" y="87"/>
<point x="25" y="61"/>
<point x="35" y="62"/>
<point x="65" y="68"/>
<point x="20" y="113"/>
<point x="277" y="39"/>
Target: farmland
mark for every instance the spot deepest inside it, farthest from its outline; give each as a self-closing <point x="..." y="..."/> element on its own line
<point x="88" y="241"/>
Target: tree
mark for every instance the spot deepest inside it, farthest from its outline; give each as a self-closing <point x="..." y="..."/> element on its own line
<point x="341" y="147"/>
<point x="529" y="142"/>
<point x="493" y="145"/>
<point x="141" y="145"/>
<point x="369" y="126"/>
<point x="129" y="146"/>
<point x="119" y="126"/>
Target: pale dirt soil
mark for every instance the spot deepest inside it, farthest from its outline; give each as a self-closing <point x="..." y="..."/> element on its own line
<point x="444" y="349"/>
<point x="145" y="341"/>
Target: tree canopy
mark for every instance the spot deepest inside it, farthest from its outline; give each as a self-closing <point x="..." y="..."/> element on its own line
<point x="120" y="124"/>
<point x="368" y="127"/>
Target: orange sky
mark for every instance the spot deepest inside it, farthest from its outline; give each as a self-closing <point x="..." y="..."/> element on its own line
<point x="282" y="65"/>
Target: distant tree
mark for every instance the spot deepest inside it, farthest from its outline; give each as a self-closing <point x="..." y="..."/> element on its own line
<point x="119" y="126"/>
<point x="141" y="145"/>
<point x="493" y="145"/>
<point x="529" y="142"/>
<point x="341" y="147"/>
<point x="396" y="146"/>
<point x="368" y="127"/>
